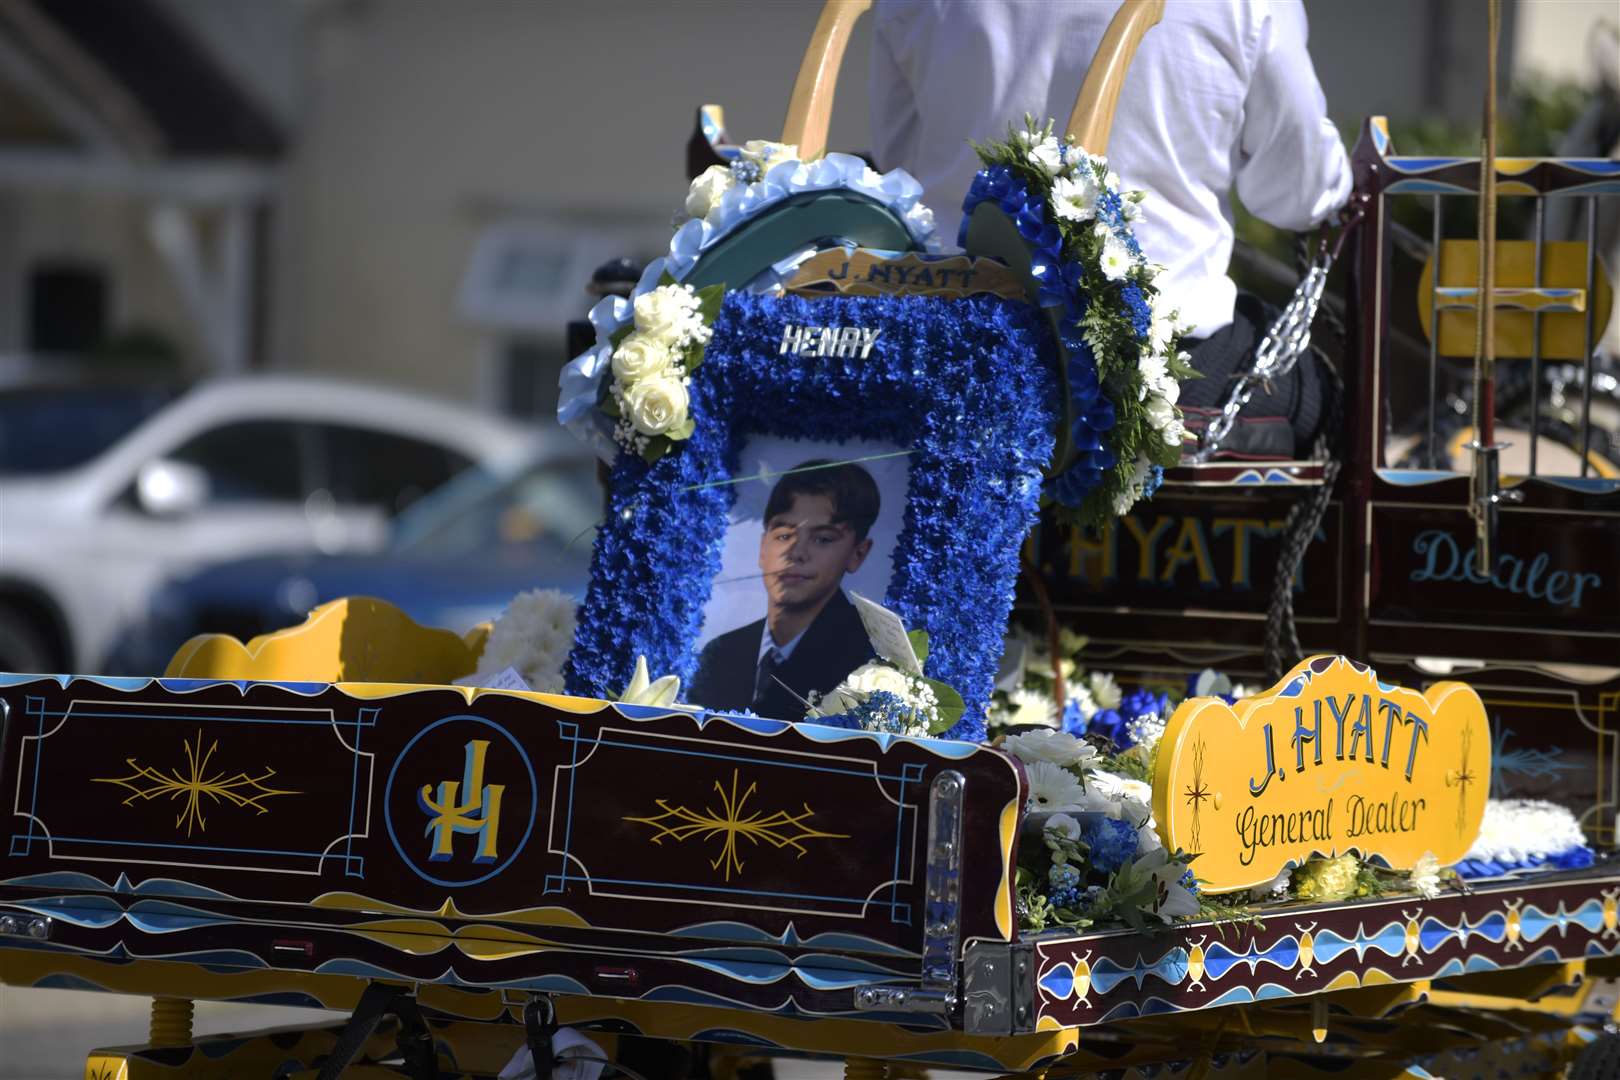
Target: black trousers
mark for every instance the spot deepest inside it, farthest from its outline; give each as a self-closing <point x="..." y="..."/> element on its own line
<point x="1278" y="423"/>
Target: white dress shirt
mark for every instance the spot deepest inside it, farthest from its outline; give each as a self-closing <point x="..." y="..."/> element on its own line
<point x="1221" y="95"/>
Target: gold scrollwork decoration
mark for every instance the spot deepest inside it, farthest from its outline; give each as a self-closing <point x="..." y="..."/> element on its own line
<point x="146" y="783"/>
<point x="780" y="829"/>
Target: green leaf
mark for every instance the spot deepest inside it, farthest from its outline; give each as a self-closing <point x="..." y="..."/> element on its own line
<point x="919" y="644"/>
<point x="666" y="278"/>
<point x="692" y="358"/>
<point x="608" y="407"/>
<point x="709" y="300"/>
<point x="951" y="707"/>
<point x="656" y="447"/>
<point x="617" y="337"/>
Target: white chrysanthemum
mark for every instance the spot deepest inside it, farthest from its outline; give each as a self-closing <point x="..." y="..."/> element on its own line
<point x="1163" y="328"/>
<point x="533" y="636"/>
<point x="1053" y="747"/>
<point x="1426" y="876"/>
<point x="1524" y="830"/>
<point x="1155" y="373"/>
<point x="1104" y="689"/>
<point x="1132" y="210"/>
<point x="1052" y="788"/>
<point x="1115" y="259"/>
<point x="1161" y="414"/>
<point x="1075" y="200"/>
<point x="1080" y="697"/>
<point x="1031" y="707"/>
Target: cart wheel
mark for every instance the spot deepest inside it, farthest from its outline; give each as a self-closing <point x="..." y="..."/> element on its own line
<point x="1599" y="1061"/>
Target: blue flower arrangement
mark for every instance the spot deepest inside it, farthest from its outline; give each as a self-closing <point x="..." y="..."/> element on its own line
<point x="966" y="384"/>
<point x="1122" y="346"/>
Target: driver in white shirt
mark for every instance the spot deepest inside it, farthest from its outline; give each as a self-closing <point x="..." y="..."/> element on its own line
<point x="1221" y="96"/>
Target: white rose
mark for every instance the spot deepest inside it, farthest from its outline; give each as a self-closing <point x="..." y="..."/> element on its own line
<point x="1047" y="156"/>
<point x="656" y="405"/>
<point x="764" y="153"/>
<point x="1168" y="389"/>
<point x="706" y="190"/>
<point x="637" y="357"/>
<point x="876" y="676"/>
<point x="920" y="218"/>
<point x="664" y="313"/>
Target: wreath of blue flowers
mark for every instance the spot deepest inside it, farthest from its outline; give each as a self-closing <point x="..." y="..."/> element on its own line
<point x="965" y="384"/>
<point x="1106" y="430"/>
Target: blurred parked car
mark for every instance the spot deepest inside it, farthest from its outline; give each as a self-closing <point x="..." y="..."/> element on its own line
<point x="233" y="467"/>
<point x="456" y="559"/>
<point x="47" y="426"/>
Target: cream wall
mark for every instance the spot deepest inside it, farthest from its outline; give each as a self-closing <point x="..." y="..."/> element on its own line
<point x="424" y="122"/>
<point x="42" y="225"/>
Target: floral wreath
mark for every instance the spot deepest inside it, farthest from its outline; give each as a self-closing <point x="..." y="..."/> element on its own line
<point x="1122" y="339"/>
<point x="600" y="411"/>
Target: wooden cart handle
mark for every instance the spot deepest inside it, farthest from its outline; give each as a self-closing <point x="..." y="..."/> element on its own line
<point x="810" y="108"/>
<point x="1093" y="116"/>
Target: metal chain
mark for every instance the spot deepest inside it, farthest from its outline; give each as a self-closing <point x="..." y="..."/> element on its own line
<point x="1287" y="339"/>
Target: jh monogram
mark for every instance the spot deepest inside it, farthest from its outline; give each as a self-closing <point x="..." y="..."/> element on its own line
<point x="479" y="815"/>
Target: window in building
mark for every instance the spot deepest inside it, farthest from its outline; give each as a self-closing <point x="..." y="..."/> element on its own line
<point x="67" y="308"/>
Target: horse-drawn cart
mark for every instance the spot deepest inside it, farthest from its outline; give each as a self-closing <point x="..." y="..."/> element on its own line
<point x="331" y="816"/>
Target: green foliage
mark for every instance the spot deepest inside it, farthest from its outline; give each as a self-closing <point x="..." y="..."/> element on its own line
<point x="950" y="709"/>
<point x="919" y="644"/>
<point x="1106" y="327"/>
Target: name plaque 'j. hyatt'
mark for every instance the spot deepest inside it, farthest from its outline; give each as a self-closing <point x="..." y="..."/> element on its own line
<point x="1328" y="761"/>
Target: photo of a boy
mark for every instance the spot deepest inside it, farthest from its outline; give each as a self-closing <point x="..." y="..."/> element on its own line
<point x="816" y="524"/>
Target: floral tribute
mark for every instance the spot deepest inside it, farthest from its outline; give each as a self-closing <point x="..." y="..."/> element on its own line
<point x="718" y="202"/>
<point x="1102" y="862"/>
<point x="1120" y="333"/>
<point x="1101" y="859"/>
<point x="880" y="696"/>
<point x="653" y="361"/>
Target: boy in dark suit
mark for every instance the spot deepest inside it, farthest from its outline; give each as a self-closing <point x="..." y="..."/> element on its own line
<point x="816" y="524"/>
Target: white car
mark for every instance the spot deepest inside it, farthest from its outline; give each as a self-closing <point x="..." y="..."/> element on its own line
<point x="234" y="467"/>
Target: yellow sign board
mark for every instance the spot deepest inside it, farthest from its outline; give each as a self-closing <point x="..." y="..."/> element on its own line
<point x="1330" y="760"/>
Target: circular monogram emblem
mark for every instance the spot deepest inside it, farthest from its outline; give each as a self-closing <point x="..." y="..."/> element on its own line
<point x="460" y="801"/>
